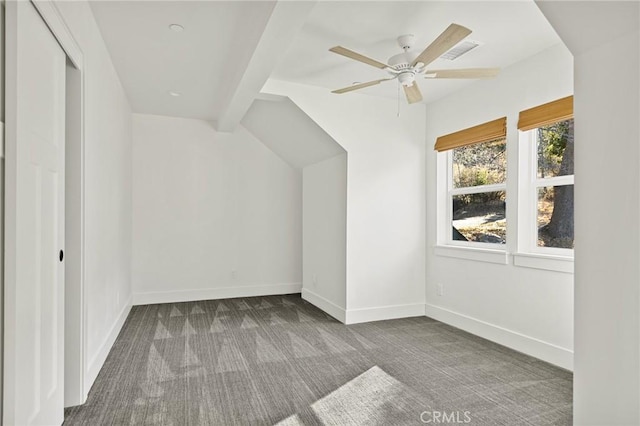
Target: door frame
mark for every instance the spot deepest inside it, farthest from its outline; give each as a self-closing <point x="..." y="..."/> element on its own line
<point x="52" y="17"/>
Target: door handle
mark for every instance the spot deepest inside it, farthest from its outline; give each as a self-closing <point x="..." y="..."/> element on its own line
<point x="61" y="255"/>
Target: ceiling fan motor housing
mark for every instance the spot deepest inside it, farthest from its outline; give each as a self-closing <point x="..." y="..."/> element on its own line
<point x="402" y="61"/>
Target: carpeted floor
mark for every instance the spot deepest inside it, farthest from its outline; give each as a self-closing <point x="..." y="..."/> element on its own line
<point x="278" y="359"/>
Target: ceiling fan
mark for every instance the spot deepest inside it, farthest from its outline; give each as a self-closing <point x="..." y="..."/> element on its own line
<point x="407" y="65"/>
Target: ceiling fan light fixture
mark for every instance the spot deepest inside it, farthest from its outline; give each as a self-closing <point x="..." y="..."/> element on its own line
<point x="406" y="78"/>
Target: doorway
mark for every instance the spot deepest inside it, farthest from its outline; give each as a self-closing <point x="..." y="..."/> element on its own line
<point x="74" y="393"/>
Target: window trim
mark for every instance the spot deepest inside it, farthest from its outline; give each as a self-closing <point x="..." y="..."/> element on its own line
<point x="544" y="261"/>
<point x="478" y="254"/>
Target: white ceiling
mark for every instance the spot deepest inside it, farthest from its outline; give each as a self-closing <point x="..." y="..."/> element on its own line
<point x="220" y="37"/>
<point x="510" y="30"/>
<point x="152" y="60"/>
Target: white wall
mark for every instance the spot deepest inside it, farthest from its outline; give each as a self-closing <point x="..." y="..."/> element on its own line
<point x="607" y="204"/>
<point x="107" y="156"/>
<point x="530" y="310"/>
<point x="324" y="224"/>
<point x="607" y="379"/>
<point x="214" y="214"/>
<point x="385" y="196"/>
<point x="292" y="135"/>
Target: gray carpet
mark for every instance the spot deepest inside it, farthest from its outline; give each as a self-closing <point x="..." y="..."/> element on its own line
<point x="278" y="359"/>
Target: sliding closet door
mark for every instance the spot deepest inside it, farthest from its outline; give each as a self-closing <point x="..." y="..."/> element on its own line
<point x="34" y="220"/>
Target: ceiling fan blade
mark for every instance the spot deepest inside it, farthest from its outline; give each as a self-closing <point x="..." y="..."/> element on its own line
<point x="463" y="73"/>
<point x="445" y="41"/>
<point x="413" y="93"/>
<point x="360" y="86"/>
<point x="358" y="57"/>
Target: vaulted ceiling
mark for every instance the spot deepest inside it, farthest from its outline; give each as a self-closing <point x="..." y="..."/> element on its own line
<point x="228" y="49"/>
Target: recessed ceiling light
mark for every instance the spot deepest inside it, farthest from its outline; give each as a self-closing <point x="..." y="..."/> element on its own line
<point x="176" y="28"/>
<point x="174" y="93"/>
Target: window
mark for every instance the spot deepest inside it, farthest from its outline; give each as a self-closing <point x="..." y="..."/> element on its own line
<point x="554" y="185"/>
<point x="547" y="190"/>
<point x="478" y="192"/>
<point x="472" y="191"/>
<point x="473" y="211"/>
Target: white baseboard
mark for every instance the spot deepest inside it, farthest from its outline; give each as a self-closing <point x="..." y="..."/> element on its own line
<point x="97" y="361"/>
<point x="528" y="345"/>
<point x="355" y="316"/>
<point x="151" y="298"/>
<point x="325" y="305"/>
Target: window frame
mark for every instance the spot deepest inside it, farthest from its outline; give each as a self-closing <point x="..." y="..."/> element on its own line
<point x="447" y="227"/>
<point x="528" y="194"/>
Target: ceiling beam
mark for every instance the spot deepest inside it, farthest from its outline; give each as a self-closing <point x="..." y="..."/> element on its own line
<point x="284" y="23"/>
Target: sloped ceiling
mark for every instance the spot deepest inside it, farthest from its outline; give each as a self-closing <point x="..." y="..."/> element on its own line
<point x="289" y="132"/>
<point x="217" y="42"/>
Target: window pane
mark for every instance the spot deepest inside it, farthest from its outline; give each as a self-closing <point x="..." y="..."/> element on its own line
<point x="555" y="216"/>
<point x="480" y="217"/>
<point x="555" y="149"/>
<point x="480" y="164"/>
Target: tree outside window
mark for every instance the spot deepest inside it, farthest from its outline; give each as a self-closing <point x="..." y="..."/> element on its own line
<point x="554" y="185"/>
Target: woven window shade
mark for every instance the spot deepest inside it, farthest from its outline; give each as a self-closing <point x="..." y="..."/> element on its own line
<point x="486" y="132"/>
<point x="546" y="114"/>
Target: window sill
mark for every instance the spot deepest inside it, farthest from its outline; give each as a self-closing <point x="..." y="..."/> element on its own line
<point x="473" y="253"/>
<point x="544" y="261"/>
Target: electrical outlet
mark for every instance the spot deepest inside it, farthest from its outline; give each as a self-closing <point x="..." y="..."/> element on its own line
<point x="440" y="289"/>
<point x="315" y="280"/>
<point x="234" y="274"/>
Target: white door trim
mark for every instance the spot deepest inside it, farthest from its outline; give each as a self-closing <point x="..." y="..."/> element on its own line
<point x="53" y="18"/>
<point x="51" y="15"/>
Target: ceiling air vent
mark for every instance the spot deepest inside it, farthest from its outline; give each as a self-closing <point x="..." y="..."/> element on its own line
<point x="460" y="49"/>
